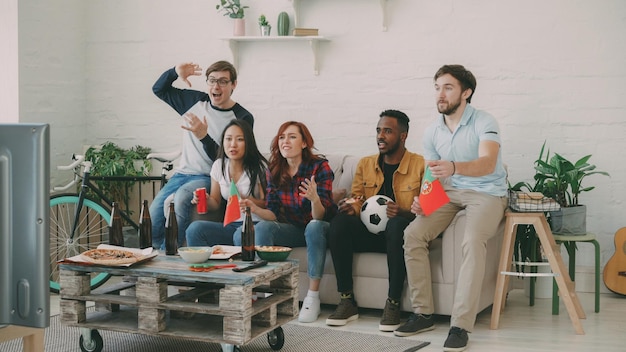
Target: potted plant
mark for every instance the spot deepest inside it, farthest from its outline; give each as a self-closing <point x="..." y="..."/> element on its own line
<point x="231" y="8"/>
<point x="234" y="10"/>
<point x="111" y="160"/>
<point x="561" y="180"/>
<point x="264" y="26"/>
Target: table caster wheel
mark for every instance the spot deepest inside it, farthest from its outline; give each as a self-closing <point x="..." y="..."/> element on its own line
<point x="276" y="338"/>
<point x="226" y="347"/>
<point x="94" y="344"/>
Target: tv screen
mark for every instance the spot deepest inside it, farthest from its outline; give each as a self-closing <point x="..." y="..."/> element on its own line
<point x="24" y="224"/>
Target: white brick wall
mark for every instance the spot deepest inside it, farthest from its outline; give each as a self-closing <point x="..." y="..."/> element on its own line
<point x="548" y="70"/>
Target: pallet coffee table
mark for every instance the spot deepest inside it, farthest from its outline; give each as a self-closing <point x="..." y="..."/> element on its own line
<point x="216" y="306"/>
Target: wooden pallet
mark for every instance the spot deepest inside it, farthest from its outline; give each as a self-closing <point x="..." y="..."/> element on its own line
<point x="217" y="306"/>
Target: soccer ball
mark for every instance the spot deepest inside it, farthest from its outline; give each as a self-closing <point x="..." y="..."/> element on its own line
<point x="374" y="213"/>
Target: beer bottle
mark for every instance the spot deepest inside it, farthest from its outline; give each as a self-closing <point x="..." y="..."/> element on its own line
<point x="145" y="227"/>
<point x="247" y="237"/>
<point x="116" y="234"/>
<point x="171" y="232"/>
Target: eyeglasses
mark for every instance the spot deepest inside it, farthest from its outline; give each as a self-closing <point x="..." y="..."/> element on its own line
<point x="221" y="82"/>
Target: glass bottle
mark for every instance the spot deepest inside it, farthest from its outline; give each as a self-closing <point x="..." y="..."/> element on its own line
<point x="116" y="234"/>
<point x="145" y="227"/>
<point x="247" y="237"/>
<point x="171" y="232"/>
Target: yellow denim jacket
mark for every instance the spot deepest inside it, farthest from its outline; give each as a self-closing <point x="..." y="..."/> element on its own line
<point x="407" y="179"/>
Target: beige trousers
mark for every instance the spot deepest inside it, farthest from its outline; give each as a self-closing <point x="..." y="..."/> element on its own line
<point x="484" y="213"/>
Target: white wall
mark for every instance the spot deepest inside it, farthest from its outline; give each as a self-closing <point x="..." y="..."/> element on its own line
<point x="9" y="84"/>
<point x="548" y="70"/>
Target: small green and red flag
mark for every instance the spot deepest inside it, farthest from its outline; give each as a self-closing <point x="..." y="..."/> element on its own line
<point x="432" y="195"/>
<point x="233" y="212"/>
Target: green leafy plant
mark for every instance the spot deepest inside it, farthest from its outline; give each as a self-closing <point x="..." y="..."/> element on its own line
<point x="112" y="160"/>
<point x="559" y="178"/>
<point x="231" y="8"/>
<point x="263" y="21"/>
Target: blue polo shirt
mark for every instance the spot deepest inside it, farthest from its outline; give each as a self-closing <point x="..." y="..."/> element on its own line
<point x="462" y="145"/>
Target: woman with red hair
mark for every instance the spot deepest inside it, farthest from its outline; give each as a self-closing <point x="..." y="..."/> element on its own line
<point x="299" y="205"/>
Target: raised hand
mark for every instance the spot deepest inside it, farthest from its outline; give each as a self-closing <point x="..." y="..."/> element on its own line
<point x="308" y="189"/>
<point x="195" y="125"/>
<point x="187" y="69"/>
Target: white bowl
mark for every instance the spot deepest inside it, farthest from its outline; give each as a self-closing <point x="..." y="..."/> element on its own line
<point x="195" y="255"/>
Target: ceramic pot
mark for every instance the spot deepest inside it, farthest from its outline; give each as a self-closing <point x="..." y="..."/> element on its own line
<point x="569" y="220"/>
<point x="265" y="31"/>
<point x="239" y="29"/>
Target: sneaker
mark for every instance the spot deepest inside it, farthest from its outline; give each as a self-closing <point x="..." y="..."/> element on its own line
<point x="391" y="316"/>
<point x="456" y="341"/>
<point x="416" y="323"/>
<point x="310" y="310"/>
<point x="346" y="311"/>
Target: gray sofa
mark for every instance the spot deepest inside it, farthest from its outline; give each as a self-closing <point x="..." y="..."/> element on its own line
<point x="370" y="269"/>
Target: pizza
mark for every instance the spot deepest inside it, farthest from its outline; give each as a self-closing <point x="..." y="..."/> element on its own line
<point x="110" y="257"/>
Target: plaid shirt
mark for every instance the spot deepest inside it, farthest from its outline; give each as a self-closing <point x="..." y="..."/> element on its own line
<point x="287" y="204"/>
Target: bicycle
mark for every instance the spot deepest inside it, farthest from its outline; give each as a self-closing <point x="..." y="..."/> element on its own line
<point x="79" y="223"/>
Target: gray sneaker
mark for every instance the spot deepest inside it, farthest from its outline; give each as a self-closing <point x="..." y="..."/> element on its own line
<point x="391" y="317"/>
<point x="346" y="311"/>
<point x="416" y="323"/>
<point x="456" y="341"/>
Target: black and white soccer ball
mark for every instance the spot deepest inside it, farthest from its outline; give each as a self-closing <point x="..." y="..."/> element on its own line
<point x="374" y="213"/>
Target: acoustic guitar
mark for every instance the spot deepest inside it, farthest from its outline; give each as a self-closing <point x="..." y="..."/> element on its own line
<point x="615" y="270"/>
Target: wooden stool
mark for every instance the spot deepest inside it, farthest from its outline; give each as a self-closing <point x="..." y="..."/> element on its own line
<point x="570" y="244"/>
<point x="553" y="254"/>
<point x="32" y="338"/>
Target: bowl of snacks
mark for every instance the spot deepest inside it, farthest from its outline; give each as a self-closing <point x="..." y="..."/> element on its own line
<point x="195" y="255"/>
<point x="273" y="253"/>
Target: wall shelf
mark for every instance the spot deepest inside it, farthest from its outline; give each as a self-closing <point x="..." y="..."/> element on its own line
<point x="313" y="41"/>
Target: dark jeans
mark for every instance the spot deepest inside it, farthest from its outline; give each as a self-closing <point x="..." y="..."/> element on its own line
<point x="348" y="235"/>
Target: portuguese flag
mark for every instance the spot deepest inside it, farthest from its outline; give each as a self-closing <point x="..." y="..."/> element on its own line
<point x="233" y="212"/>
<point x="432" y="196"/>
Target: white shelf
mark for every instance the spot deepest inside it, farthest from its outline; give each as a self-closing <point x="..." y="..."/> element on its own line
<point x="313" y="41"/>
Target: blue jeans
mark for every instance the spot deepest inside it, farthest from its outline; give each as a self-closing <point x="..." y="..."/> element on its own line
<point x="314" y="237"/>
<point x="210" y="233"/>
<point x="183" y="186"/>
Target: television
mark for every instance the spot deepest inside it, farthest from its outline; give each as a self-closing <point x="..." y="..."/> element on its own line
<point x="24" y="224"/>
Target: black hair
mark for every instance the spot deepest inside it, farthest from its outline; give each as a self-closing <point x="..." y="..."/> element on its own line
<point x="403" y="120"/>
<point x="254" y="163"/>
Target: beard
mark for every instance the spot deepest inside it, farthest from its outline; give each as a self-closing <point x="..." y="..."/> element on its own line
<point x="451" y="108"/>
<point x="391" y="148"/>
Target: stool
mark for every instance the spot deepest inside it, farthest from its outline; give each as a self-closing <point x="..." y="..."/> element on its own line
<point x="570" y="244"/>
<point x="32" y="338"/>
<point x="553" y="254"/>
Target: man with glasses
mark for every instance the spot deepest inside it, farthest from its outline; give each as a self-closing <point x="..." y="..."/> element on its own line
<point x="205" y="114"/>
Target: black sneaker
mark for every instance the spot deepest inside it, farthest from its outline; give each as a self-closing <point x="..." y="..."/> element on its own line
<point x="416" y="323"/>
<point x="391" y="316"/>
<point x="456" y="341"/>
<point x="346" y="311"/>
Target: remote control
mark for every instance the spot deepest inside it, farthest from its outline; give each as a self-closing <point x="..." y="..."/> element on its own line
<point x="255" y="264"/>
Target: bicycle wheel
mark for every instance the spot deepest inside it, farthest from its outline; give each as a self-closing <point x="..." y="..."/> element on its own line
<point x="92" y="230"/>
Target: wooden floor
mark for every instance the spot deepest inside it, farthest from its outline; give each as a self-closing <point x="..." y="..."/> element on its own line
<point x="525" y="328"/>
<point x="522" y="328"/>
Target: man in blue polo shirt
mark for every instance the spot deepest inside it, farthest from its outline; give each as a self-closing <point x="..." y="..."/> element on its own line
<point x="463" y="149"/>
